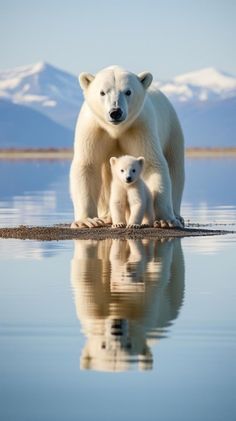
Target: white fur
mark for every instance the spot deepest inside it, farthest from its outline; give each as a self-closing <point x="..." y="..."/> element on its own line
<point x="149" y="127"/>
<point x="130" y="199"/>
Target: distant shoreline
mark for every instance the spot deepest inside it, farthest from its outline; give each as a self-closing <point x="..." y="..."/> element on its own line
<point x="210" y="152"/>
<point x="67" y="153"/>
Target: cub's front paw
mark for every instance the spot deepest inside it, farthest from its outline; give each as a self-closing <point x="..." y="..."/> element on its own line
<point x="88" y="223"/>
<point x="165" y="223"/>
<point x="119" y="225"/>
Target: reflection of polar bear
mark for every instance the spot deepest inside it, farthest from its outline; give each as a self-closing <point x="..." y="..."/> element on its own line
<point x="123" y="115"/>
<point x="126" y="294"/>
<point x="128" y="265"/>
<point x="131" y="200"/>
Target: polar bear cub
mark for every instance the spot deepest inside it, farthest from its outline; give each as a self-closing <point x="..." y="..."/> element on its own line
<point x="131" y="202"/>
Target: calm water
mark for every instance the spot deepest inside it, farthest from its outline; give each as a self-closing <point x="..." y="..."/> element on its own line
<point x="112" y="330"/>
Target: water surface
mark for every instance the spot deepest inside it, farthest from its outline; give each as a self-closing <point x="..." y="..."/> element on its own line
<point x="117" y="329"/>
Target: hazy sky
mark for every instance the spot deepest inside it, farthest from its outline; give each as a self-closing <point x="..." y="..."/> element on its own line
<point x="167" y="37"/>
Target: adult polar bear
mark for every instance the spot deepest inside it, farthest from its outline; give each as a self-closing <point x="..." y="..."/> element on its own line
<point x="123" y="115"/>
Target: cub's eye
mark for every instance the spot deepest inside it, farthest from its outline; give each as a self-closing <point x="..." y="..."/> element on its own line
<point x="128" y="92"/>
<point x="121" y="170"/>
<point x="102" y="93"/>
<point x="133" y="170"/>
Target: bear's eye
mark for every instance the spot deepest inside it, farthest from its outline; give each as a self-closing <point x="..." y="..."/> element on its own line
<point x="102" y="93"/>
<point x="128" y="92"/>
<point x="121" y="170"/>
<point x="133" y="170"/>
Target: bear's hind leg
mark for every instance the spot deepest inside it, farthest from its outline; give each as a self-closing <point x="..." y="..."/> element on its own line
<point x="175" y="161"/>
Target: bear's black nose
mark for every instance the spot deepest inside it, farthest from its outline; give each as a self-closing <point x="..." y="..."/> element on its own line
<point x="116" y="114"/>
<point x="128" y="179"/>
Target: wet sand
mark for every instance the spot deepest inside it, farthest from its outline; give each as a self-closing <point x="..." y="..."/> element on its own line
<point x="64" y="232"/>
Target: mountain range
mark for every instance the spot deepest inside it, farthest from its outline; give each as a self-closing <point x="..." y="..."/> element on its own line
<point x="23" y="127"/>
<point x="39" y="105"/>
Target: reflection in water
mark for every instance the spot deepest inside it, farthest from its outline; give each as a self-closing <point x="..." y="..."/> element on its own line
<point x="126" y="294"/>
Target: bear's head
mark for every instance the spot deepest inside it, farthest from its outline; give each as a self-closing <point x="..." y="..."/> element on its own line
<point x="115" y="95"/>
<point x="127" y="168"/>
<point x="118" y="345"/>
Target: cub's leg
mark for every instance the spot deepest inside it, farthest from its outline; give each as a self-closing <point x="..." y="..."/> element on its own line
<point x="136" y="206"/>
<point x="118" y="205"/>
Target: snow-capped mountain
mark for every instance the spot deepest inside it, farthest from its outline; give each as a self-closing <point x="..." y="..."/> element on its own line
<point x="44" y="88"/>
<point x="205" y="101"/>
<point x="203" y="85"/>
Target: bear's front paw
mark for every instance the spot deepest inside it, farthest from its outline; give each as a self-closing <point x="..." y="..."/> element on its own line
<point x="119" y="225"/>
<point x="134" y="226"/>
<point x="165" y="223"/>
<point x="88" y="223"/>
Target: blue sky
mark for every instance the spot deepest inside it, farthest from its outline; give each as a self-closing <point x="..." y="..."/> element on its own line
<point x="163" y="36"/>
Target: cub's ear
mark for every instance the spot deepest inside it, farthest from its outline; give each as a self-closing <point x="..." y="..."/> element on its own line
<point x="85" y="79"/>
<point x="141" y="160"/>
<point x="112" y="161"/>
<point x="146" y="79"/>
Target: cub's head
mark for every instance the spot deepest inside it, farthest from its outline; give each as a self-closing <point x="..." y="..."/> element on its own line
<point x="127" y="168"/>
<point x="115" y="95"/>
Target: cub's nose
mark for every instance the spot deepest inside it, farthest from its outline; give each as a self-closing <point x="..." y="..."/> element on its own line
<point x="128" y="179"/>
<point x="116" y="114"/>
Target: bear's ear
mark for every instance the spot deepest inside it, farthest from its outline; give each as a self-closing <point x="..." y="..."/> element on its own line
<point x="141" y="160"/>
<point x="112" y="161"/>
<point x="146" y="79"/>
<point x="85" y="79"/>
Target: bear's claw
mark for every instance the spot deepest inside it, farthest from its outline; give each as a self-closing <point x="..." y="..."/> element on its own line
<point x="88" y="223"/>
<point x="134" y="226"/>
<point x="120" y="225"/>
<point x="163" y="223"/>
<point x="181" y="220"/>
